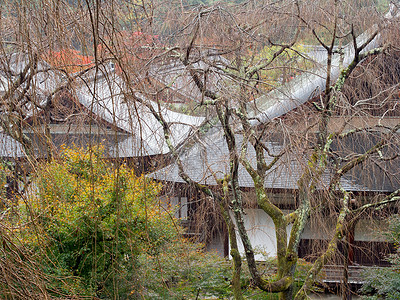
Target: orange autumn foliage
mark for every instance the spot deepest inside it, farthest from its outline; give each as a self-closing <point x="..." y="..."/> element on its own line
<point x="70" y="60"/>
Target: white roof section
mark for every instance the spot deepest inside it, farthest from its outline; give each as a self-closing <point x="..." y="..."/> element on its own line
<point x="10" y="148"/>
<point x="105" y="97"/>
<point x="43" y="82"/>
<point x="310" y="84"/>
<point x="175" y="75"/>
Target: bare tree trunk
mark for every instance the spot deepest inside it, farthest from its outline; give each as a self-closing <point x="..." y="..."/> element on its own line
<point x="348" y="261"/>
<point x="236" y="259"/>
<point x="237" y="262"/>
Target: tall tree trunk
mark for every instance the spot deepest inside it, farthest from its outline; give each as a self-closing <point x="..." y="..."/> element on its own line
<point x="234" y="252"/>
<point x="348" y="261"/>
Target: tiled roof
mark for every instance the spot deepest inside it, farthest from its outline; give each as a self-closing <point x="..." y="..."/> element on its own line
<point x="43" y="82"/>
<point x="176" y="76"/>
<point x="105" y="98"/>
<point x="209" y="160"/>
<point x="10" y="148"/>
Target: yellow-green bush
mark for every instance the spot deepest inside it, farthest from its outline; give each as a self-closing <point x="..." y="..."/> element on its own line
<point x="92" y="220"/>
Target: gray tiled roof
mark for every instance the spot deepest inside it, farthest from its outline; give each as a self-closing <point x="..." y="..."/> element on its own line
<point x="42" y="84"/>
<point x="209" y="159"/>
<point x="106" y="99"/>
<point x="174" y="74"/>
<point x="10" y="148"/>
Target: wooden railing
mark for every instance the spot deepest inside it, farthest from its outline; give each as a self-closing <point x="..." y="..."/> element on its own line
<point x="334" y="274"/>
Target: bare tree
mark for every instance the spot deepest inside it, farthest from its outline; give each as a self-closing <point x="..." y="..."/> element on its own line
<point x="349" y="40"/>
<point x="252" y="76"/>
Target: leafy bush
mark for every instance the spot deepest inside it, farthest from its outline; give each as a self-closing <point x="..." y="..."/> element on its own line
<point x="382" y="283"/>
<point x="184" y="271"/>
<point x="94" y="220"/>
<point x="94" y="229"/>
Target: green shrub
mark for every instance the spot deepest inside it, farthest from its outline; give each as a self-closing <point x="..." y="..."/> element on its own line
<point x="185" y="271"/>
<point x="98" y="230"/>
<point x="93" y="221"/>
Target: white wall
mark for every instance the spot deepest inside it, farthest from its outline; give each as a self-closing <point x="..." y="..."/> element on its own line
<point x="370" y="230"/>
<point x="320" y="231"/>
<point x="261" y="232"/>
